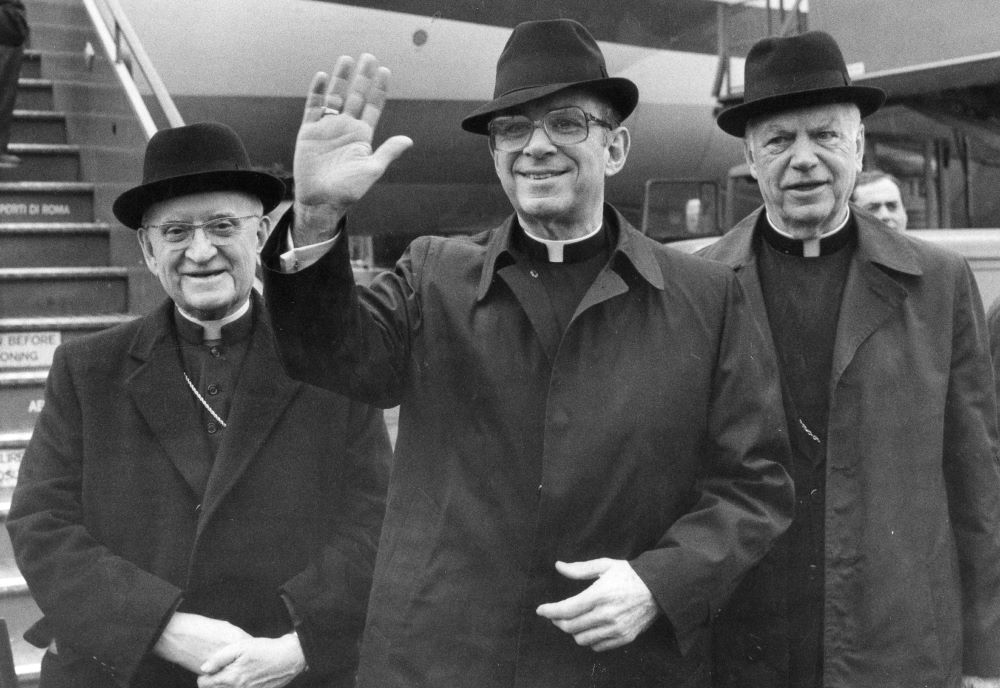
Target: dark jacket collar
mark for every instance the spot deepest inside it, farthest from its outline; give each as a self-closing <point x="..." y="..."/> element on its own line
<point x="876" y="244"/>
<point x="629" y="246"/>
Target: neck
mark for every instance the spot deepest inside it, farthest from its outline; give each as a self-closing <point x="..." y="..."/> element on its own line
<point x="559" y="229"/>
<point x="806" y="232"/>
<point x="213" y="327"/>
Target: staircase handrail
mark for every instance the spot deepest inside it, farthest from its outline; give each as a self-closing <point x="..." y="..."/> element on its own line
<point x="124" y="33"/>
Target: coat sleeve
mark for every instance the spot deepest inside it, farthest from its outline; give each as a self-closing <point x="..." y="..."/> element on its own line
<point x="96" y="603"/>
<point x="330" y="598"/>
<point x="337" y="335"/>
<point x="744" y="497"/>
<point x="973" y="480"/>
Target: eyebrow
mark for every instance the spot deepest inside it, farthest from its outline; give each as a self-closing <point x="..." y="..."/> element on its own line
<point x="188" y="221"/>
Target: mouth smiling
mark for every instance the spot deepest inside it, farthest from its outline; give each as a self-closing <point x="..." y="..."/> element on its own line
<point x="540" y="176"/>
<point x="204" y="275"/>
<point x="805" y="187"/>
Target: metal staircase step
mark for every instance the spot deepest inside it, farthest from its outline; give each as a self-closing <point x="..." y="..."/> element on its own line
<point x="60" y="36"/>
<point x="38" y="126"/>
<point x="63" y="291"/>
<point x="22" y="396"/>
<point x="44" y="162"/>
<point x="40" y="244"/>
<point x="46" y="12"/>
<point x="31" y="64"/>
<point x="34" y="94"/>
<point x="69" y="326"/>
<point x="46" y="202"/>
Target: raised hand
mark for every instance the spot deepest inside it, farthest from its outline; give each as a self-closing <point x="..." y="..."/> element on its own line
<point x="334" y="161"/>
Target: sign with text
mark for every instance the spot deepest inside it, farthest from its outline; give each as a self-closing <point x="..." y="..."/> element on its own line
<point x="28" y="349"/>
<point x="10" y="462"/>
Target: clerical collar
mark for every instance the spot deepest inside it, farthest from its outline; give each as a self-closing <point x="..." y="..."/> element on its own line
<point x="563" y="251"/>
<point x="212" y="330"/>
<point x="831" y="242"/>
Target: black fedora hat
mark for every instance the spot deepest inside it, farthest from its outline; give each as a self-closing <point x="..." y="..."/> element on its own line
<point x="793" y="72"/>
<point x="544" y="57"/>
<point x="206" y="156"/>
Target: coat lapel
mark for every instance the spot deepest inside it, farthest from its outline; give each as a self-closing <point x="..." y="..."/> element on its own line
<point x="871" y="295"/>
<point x="261" y="395"/>
<point x="162" y="396"/>
<point x="736" y="249"/>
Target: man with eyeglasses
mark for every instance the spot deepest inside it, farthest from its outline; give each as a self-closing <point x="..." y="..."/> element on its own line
<point x="589" y="438"/>
<point x="185" y="514"/>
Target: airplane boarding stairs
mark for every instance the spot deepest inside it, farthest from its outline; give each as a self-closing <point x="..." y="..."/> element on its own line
<point x="66" y="266"/>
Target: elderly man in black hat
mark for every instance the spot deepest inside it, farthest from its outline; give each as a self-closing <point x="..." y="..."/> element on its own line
<point x="589" y="437"/>
<point x="890" y="573"/>
<point x="185" y="514"/>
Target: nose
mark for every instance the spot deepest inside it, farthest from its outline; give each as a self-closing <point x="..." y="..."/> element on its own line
<point x="539" y="144"/>
<point x="803" y="154"/>
<point x="883" y="213"/>
<point x="200" y="250"/>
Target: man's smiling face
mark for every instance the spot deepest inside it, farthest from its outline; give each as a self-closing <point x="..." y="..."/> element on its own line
<point x="805" y="162"/>
<point x="205" y="280"/>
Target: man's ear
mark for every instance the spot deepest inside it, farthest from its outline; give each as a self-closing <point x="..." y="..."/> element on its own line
<point x="263" y="230"/>
<point x="142" y="235"/>
<point x="748" y="156"/>
<point x="860" y="145"/>
<point x="618" y="148"/>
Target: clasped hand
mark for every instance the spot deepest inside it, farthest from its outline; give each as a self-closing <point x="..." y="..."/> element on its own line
<point x="334" y="161"/>
<point x="224" y="655"/>
<point x="610" y="613"/>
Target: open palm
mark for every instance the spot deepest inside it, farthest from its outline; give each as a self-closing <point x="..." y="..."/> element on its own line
<point x="334" y="161"/>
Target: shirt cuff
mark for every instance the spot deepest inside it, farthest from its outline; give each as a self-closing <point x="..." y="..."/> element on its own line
<point x="296" y="259"/>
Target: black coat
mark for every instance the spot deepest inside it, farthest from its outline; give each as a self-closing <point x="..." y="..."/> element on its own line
<point x="650" y="431"/>
<point x="912" y="486"/>
<point x="111" y="535"/>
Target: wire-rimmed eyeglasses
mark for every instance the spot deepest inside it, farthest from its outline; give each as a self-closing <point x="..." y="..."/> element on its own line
<point x="219" y="231"/>
<point x="564" y="126"/>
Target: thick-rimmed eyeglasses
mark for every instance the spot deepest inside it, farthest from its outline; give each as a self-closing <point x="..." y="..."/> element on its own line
<point x="219" y="231"/>
<point x="564" y="127"/>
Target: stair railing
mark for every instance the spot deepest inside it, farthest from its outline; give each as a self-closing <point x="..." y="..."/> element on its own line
<point x="125" y="51"/>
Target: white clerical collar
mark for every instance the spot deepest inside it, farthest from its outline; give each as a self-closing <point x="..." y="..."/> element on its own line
<point x="555" y="246"/>
<point x="212" y="329"/>
<point x="810" y="247"/>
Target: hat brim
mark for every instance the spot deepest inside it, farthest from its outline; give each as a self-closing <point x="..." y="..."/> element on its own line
<point x="130" y="206"/>
<point x="621" y="93"/>
<point x="733" y="120"/>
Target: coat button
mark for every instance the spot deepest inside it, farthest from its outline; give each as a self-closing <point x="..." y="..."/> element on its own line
<point x="213" y="389"/>
<point x="216" y="351"/>
<point x="212" y="427"/>
<point x="815" y="495"/>
<point x="755" y="649"/>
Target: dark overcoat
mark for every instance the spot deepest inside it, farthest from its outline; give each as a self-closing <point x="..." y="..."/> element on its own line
<point x="650" y="431"/>
<point x="112" y="532"/>
<point x="912" y="486"/>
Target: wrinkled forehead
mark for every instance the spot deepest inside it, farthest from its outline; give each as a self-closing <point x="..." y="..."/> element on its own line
<point x="204" y="205"/>
<point x="839" y="115"/>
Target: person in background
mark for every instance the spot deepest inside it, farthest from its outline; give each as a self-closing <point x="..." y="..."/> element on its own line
<point x="590" y="439"/>
<point x="13" y="35"/>
<point x="878" y="193"/>
<point x="890" y="573"/>
<point x="185" y="514"/>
